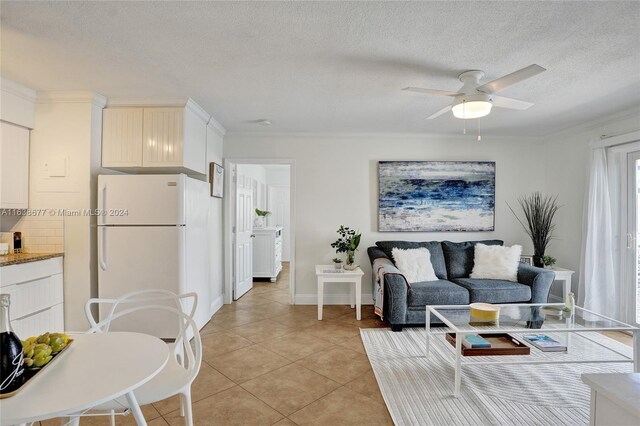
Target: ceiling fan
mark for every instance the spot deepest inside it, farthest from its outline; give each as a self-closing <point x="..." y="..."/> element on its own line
<point x="475" y="100"/>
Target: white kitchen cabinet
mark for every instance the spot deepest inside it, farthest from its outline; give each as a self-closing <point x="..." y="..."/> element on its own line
<point x="122" y="137"/>
<point x="37" y="297"/>
<point x="267" y="252"/>
<point x="14" y="167"/>
<point x="155" y="139"/>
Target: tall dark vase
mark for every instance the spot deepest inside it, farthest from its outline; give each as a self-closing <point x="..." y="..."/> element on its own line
<point x="537" y="260"/>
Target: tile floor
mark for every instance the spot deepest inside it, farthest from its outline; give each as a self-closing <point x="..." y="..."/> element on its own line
<point x="266" y="362"/>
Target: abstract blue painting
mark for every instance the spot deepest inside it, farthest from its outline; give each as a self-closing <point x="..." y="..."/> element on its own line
<point x="436" y="196"/>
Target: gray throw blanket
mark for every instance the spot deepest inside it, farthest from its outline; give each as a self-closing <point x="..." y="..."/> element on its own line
<point x="381" y="267"/>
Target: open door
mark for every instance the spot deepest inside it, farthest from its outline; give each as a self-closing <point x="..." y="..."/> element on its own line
<point x="243" y="244"/>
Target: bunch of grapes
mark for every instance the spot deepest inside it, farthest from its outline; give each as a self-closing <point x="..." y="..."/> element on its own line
<point x="38" y="351"/>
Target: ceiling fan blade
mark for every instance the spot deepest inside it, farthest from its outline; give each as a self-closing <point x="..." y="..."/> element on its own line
<point x="511" y="79"/>
<point x="431" y="91"/>
<point x="502" y="102"/>
<point x="439" y="113"/>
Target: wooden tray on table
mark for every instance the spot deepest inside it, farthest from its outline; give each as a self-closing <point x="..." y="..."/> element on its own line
<point x="501" y="344"/>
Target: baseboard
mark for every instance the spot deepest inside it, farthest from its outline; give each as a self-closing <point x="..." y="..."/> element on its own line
<point x="331" y="299"/>
<point x="216" y="305"/>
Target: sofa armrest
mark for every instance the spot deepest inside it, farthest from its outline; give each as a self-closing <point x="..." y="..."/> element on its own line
<point x="376" y="253"/>
<point x="539" y="279"/>
<point x="395" y="288"/>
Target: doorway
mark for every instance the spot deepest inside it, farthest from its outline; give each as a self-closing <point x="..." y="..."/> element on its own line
<point x="259" y="229"/>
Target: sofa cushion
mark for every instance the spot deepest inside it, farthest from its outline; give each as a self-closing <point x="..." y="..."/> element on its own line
<point x="415" y="264"/>
<point x="495" y="291"/>
<point x="434" y="247"/>
<point x="496" y="262"/>
<point x="459" y="256"/>
<point x="441" y="292"/>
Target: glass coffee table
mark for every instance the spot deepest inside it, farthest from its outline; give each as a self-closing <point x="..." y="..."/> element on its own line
<point x="523" y="319"/>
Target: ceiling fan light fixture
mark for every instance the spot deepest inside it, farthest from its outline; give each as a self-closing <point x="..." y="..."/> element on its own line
<point x="473" y="106"/>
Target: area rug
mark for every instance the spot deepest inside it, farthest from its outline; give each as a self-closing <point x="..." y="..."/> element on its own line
<point x="418" y="390"/>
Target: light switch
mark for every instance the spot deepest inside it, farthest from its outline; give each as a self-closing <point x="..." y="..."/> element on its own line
<point x="57" y="166"/>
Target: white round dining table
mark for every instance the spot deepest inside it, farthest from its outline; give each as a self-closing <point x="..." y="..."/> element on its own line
<point x="94" y="369"/>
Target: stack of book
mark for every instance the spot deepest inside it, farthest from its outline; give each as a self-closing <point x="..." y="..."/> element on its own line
<point x="473" y="341"/>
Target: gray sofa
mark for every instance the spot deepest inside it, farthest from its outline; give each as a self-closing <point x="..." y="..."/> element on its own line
<point x="452" y="264"/>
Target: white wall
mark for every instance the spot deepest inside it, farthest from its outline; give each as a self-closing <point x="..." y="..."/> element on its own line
<point x="216" y="238"/>
<point x="336" y="183"/>
<point x="566" y="170"/>
<point x="68" y="125"/>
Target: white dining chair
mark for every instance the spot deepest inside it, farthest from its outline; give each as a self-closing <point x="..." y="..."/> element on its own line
<point x="184" y="364"/>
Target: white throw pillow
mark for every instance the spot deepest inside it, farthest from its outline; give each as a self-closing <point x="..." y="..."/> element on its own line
<point x="415" y="264"/>
<point x="496" y="262"/>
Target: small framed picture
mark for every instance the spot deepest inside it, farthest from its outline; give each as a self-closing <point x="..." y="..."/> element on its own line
<point x="216" y="179"/>
<point x="526" y="259"/>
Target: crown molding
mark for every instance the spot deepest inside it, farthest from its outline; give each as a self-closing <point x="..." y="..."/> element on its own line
<point x="596" y="124"/>
<point x="148" y="102"/>
<point x="17" y="89"/>
<point x="426" y="137"/>
<point x="198" y="110"/>
<point x="216" y="126"/>
<point x="72" y="96"/>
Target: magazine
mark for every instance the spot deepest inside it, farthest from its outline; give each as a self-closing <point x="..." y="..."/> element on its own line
<point x="545" y="343"/>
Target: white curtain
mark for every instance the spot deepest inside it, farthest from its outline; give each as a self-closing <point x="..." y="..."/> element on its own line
<point x="599" y="288"/>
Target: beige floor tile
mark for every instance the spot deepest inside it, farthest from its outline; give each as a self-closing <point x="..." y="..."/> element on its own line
<point x="290" y="388"/>
<point x="281" y="296"/>
<point x="209" y="382"/>
<point x="343" y="407"/>
<point x="332" y="332"/>
<point x="273" y="309"/>
<point x="297" y="345"/>
<point x="160" y="421"/>
<point x="366" y="385"/>
<point x="262" y="330"/>
<point x="235" y="318"/>
<point x="219" y="343"/>
<point x="148" y="411"/>
<point x="339" y="364"/>
<point x="210" y="327"/>
<point x="285" y="422"/>
<point x="367" y="320"/>
<point x="308" y="310"/>
<point x="335" y="311"/>
<point x="234" y="406"/>
<point x="296" y="319"/>
<point x="354" y="343"/>
<point x="247" y="363"/>
<point x="252" y="299"/>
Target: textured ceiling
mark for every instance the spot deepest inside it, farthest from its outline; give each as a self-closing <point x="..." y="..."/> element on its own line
<point x="334" y="66"/>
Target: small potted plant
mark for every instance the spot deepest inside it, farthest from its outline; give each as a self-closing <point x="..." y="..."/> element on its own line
<point x="261" y="216"/>
<point x="337" y="263"/>
<point x="548" y="261"/>
<point x="347" y="243"/>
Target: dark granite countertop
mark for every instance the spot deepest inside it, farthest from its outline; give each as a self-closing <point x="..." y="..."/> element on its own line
<point x="15" y="259"/>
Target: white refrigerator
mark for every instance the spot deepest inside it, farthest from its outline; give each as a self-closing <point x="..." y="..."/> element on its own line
<point x="153" y="234"/>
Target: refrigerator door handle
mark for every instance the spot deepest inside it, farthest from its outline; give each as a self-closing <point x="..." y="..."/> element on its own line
<point x="102" y="206"/>
<point x="103" y="249"/>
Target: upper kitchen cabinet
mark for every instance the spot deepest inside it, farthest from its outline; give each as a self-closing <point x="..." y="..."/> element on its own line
<point x="122" y="137"/>
<point x="155" y="139"/>
<point x="17" y="113"/>
<point x="14" y="166"/>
